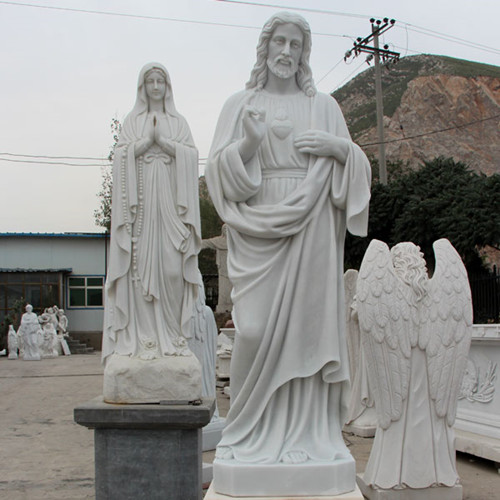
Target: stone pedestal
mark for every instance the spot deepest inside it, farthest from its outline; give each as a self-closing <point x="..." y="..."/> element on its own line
<point x="261" y="480"/>
<point x="477" y="426"/>
<point x="352" y="495"/>
<point x="437" y="493"/>
<point x="129" y="380"/>
<point x="148" y="451"/>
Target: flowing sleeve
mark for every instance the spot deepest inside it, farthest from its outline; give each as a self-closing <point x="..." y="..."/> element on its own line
<point x="228" y="178"/>
<point x="350" y="189"/>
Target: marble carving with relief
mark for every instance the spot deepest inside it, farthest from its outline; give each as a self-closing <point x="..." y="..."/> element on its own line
<point x="416" y="333"/>
<point x="152" y="278"/>
<point x="288" y="181"/>
<point x="155" y="227"/>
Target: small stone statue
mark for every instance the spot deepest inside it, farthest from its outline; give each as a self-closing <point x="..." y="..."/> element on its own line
<point x="12" y="343"/>
<point x="49" y="344"/>
<point x="416" y="333"/>
<point x="203" y="343"/>
<point x="30" y="332"/>
<point x="62" y="323"/>
<point x="361" y="416"/>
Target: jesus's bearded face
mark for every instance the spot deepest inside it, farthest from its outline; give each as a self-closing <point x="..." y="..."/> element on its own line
<point x="284" y="50"/>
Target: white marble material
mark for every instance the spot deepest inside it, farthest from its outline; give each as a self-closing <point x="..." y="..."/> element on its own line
<point x="203" y="344"/>
<point x="352" y="495"/>
<point x="152" y="279"/>
<point x="435" y="493"/>
<point x="133" y="380"/>
<point x="50" y="316"/>
<point x="225" y="344"/>
<point x="30" y="332"/>
<point x="50" y="342"/>
<point x="12" y="343"/>
<point x="62" y="322"/>
<point x="477" y="426"/>
<point x="361" y="416"/>
<point x="287" y="180"/>
<point x="219" y="244"/>
<point x="416" y="332"/>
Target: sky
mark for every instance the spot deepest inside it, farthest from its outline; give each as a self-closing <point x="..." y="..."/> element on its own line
<point x="68" y="67"/>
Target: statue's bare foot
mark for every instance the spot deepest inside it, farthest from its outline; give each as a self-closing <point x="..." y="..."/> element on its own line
<point x="294" y="457"/>
<point x="224" y="453"/>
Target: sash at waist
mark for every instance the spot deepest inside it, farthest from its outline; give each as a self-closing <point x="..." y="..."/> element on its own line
<point x="151" y="157"/>
<point x="287" y="173"/>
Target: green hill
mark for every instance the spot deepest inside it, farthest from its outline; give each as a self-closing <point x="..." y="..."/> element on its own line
<point x="357" y="97"/>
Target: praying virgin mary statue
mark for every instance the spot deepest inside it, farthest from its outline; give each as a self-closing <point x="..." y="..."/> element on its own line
<point x="152" y="278"/>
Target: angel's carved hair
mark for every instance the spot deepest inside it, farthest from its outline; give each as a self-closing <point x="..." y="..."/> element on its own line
<point x="409" y="265"/>
<point x="258" y="77"/>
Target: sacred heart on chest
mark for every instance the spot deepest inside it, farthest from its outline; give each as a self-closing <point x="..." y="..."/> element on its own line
<point x="281" y="125"/>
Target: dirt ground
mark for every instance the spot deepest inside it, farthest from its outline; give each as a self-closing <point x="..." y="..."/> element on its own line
<point x="44" y="454"/>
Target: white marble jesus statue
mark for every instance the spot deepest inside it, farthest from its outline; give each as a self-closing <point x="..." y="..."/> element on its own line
<point x="288" y="181"/>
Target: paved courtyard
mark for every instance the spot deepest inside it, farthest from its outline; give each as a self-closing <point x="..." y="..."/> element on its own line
<point x="45" y="455"/>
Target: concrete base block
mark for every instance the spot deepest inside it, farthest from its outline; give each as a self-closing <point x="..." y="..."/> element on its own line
<point x="212" y="434"/>
<point x="436" y="493"/>
<point x="149" y="452"/>
<point x="478" y="445"/>
<point x="309" y="478"/>
<point x="352" y="495"/>
<point x="130" y="380"/>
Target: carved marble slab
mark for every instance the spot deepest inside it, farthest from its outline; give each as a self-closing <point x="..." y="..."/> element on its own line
<point x="477" y="426"/>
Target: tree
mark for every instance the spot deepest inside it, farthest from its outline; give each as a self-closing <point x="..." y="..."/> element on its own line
<point x="211" y="225"/>
<point x="102" y="216"/>
<point x="443" y="199"/>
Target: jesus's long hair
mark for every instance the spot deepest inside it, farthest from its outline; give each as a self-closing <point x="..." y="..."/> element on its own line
<point x="258" y="77"/>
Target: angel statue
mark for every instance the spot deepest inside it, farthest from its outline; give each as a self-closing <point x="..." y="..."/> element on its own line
<point x="361" y="416"/>
<point x="416" y="333"/>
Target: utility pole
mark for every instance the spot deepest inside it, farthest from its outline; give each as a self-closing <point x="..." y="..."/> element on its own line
<point x="376" y="53"/>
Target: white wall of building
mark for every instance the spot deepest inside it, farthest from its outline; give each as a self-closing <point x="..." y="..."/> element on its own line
<point x="84" y="254"/>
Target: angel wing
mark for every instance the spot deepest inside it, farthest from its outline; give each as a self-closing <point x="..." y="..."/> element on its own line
<point x="352" y="327"/>
<point x="386" y="325"/>
<point x="446" y="328"/>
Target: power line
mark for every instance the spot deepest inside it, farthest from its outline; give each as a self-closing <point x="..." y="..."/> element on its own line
<point x="53" y="163"/>
<point x="55" y="157"/>
<point x="459" y="41"/>
<point x="463" y="125"/>
<point x="302" y="9"/>
<point x="347" y="77"/>
<point x="201" y="161"/>
<point x="412" y="27"/>
<point x="445" y="36"/>
<point x="328" y="72"/>
<point x="151" y="18"/>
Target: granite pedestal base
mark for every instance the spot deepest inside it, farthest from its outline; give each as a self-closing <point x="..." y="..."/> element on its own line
<point x="309" y="478"/>
<point x="352" y="495"/>
<point x="148" y="451"/>
<point x="437" y="493"/>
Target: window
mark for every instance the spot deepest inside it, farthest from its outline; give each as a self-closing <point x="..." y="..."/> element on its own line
<point x="40" y="289"/>
<point x="85" y="291"/>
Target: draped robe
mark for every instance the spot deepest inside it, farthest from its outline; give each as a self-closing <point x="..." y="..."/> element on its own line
<point x="155" y="237"/>
<point x="287" y="214"/>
